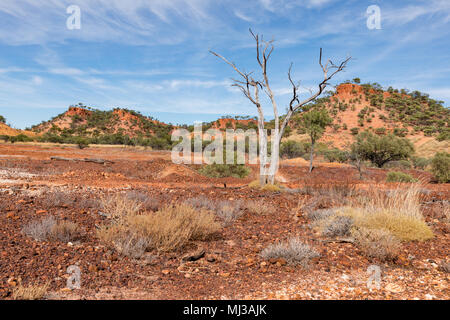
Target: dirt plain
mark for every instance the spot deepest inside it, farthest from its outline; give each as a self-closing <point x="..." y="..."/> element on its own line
<point x="232" y="267"/>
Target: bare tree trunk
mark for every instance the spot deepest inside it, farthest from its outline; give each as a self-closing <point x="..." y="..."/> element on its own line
<point x="311" y="157"/>
<point x="264" y="50"/>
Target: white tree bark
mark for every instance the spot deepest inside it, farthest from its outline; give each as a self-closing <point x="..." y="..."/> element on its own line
<point x="264" y="49"/>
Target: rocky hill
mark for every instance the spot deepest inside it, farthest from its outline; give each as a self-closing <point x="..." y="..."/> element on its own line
<point x="117" y="126"/>
<point x="355" y="108"/>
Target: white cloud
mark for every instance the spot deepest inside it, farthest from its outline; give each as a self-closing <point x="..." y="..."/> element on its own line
<point x="37" y="80"/>
<point x="66" y="71"/>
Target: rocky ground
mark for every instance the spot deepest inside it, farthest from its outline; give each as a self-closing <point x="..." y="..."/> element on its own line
<point x="231" y="267"/>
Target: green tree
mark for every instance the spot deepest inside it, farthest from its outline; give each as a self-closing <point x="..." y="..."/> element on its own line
<point x="381" y="149"/>
<point x="315" y="122"/>
<point x="2" y="119"/>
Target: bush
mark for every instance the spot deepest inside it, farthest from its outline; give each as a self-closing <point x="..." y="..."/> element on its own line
<point x="395" y="176"/>
<point x="401" y="164"/>
<point x="377" y="243"/>
<point x="143" y="201"/>
<point x="381" y="149"/>
<point x="420" y="163"/>
<point x="354" y="131"/>
<point x="443" y="136"/>
<point x="20" y="138"/>
<point x="440" y="166"/>
<point x="49" y="229"/>
<point x="294" y="251"/>
<point x="337" y="226"/>
<point x="228" y="211"/>
<point x="224" y="170"/>
<point x="292" y="149"/>
<point x="168" y="229"/>
<point x="120" y="206"/>
<point x="336" y="155"/>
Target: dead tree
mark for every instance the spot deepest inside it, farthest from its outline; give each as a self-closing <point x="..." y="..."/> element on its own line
<point x="251" y="88"/>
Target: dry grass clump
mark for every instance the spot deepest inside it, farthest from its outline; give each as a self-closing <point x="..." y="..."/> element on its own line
<point x="259" y="207"/>
<point x="147" y="203"/>
<point x="168" y="229"/>
<point x="228" y="211"/>
<point x="321" y="214"/>
<point x="397" y="212"/>
<point x="377" y="243"/>
<point x="119" y="206"/>
<point x="225" y="210"/>
<point x="202" y="203"/>
<point x="268" y="187"/>
<point x="33" y="292"/>
<point x="294" y="251"/>
<point x="404" y="227"/>
<point x="337" y="226"/>
<point x="49" y="229"/>
<point x="57" y="199"/>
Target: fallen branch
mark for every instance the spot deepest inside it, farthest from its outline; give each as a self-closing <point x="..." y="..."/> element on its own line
<point x="99" y="161"/>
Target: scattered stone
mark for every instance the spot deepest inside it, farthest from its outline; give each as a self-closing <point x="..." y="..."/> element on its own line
<point x="194" y="256"/>
<point x="394" y="288"/>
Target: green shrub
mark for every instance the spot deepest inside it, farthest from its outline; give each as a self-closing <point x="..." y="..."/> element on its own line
<point x="336" y="155"/>
<point x="354" y="131"/>
<point x="396" y="176"/>
<point x="440" y="166"/>
<point x="420" y="163"/>
<point x="401" y="164"/>
<point x="20" y="138"/>
<point x="381" y="149"/>
<point x="443" y="136"/>
<point x="224" y="170"/>
<point x="292" y="149"/>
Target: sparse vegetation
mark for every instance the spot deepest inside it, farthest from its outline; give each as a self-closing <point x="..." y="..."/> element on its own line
<point x="377" y="243"/>
<point x="224" y="170"/>
<point x="397" y="212"/>
<point x="440" y="166"/>
<point x="294" y="251"/>
<point x="396" y="176"/>
<point x="32" y="292"/>
<point x="49" y="229"/>
<point x="168" y="229"/>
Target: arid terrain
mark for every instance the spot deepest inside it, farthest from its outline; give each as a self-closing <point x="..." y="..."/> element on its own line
<point x="227" y="265"/>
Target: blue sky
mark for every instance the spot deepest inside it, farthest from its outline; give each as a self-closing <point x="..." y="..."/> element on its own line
<point x="152" y="55"/>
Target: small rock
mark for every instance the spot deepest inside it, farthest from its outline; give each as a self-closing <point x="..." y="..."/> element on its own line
<point x="165" y="272"/>
<point x="194" y="256"/>
<point x="394" y="288"/>
<point x="41" y="211"/>
<point x="281" y="262"/>
<point x="230" y="243"/>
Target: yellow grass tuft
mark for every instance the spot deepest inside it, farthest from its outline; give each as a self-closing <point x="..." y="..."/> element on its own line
<point x="268" y="187"/>
<point x="397" y="212"/>
<point x="33" y="292"/>
<point x="168" y="229"/>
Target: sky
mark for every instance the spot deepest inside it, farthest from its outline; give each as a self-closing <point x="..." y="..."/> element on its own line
<point x="153" y="55"/>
